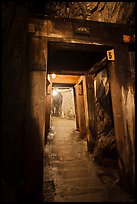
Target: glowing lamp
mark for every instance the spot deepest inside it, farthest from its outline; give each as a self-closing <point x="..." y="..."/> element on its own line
<point x="53" y="76"/>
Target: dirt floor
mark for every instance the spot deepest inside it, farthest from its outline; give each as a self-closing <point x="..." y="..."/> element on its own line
<point x="70" y="174"/>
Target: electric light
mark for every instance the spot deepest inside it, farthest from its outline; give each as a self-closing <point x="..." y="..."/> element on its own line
<point x="53" y="76"/>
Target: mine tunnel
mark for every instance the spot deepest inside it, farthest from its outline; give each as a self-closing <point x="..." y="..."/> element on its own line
<point x="68" y="102"/>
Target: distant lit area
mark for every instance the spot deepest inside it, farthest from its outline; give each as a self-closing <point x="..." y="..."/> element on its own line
<point x="54" y="92"/>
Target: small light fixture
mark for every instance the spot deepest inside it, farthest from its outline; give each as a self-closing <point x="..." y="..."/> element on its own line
<point x="53" y="76"/>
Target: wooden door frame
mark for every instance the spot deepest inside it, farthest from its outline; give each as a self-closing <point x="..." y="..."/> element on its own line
<point x="100" y="34"/>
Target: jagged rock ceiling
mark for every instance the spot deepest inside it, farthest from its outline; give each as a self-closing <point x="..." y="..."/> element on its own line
<point x="111" y="12"/>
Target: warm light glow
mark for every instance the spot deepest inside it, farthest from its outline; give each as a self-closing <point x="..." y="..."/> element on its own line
<point x="53" y="76"/>
<point x="54" y="93"/>
<point x="49" y="77"/>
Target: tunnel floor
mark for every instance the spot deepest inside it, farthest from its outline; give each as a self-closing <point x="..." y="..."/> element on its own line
<point x="70" y="174"/>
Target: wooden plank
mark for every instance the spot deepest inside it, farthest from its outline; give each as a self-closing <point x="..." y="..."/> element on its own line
<point x="90" y="47"/>
<point x="88" y="97"/>
<point x="91" y="111"/>
<point x="35" y="132"/>
<point x="123" y="111"/>
<point x="80" y="111"/>
<point x="64" y="30"/>
<point x="35" y="118"/>
<point x="109" y="32"/>
<point x="98" y="66"/>
<point x="76" y="109"/>
<point x="48" y="109"/>
<point x="37" y="53"/>
<point x="69" y="79"/>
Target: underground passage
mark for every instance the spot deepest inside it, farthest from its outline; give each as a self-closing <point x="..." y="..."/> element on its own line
<point x="68" y="102"/>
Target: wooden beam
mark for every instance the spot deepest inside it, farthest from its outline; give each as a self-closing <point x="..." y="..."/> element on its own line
<point x="65" y="30"/>
<point x="66" y="79"/>
<point x="83" y="23"/>
<point x="129" y="38"/>
<point x="98" y="66"/>
<point x="68" y="72"/>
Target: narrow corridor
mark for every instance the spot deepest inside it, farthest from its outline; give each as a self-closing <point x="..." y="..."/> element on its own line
<point x="70" y="174"/>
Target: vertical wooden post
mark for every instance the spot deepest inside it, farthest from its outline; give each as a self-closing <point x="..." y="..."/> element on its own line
<point x="91" y="134"/>
<point x="77" y="106"/>
<point x="76" y="109"/>
<point x="48" y="109"/>
<point x="80" y="108"/>
<point x="123" y="111"/>
<point x="35" y="120"/>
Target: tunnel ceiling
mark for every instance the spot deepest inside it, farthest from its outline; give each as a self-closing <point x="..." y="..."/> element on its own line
<point x="72" y="58"/>
<point x="111" y="12"/>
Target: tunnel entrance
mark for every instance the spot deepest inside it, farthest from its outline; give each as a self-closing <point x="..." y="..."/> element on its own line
<point x="69" y="46"/>
<point x="91" y="106"/>
<point x="80" y="100"/>
<point x="74" y="48"/>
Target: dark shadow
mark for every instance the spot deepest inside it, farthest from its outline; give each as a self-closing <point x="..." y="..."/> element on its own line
<point x="22" y="155"/>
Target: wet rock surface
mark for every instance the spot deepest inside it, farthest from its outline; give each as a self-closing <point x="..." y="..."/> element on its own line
<point x="70" y="173"/>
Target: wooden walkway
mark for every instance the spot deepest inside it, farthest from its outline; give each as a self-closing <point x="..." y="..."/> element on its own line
<point x="70" y="174"/>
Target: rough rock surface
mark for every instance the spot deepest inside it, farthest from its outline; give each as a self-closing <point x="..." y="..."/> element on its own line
<point x="105" y="151"/>
<point x="111" y="12"/>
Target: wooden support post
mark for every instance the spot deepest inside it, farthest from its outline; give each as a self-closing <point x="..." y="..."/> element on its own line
<point x="80" y="108"/>
<point x="48" y="110"/>
<point x="123" y="111"/>
<point x="35" y="118"/>
<point x="91" y="133"/>
<point x="76" y="109"/>
<point x="77" y="106"/>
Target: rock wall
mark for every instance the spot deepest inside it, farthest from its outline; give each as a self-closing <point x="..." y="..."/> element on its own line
<point x="63" y="104"/>
<point x="104" y="115"/>
<point x="14" y="82"/>
<point x="105" y="151"/>
<point x="56" y="103"/>
<point x="68" y="107"/>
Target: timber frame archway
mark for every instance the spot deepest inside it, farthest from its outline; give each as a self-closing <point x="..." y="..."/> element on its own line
<point x="118" y="37"/>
